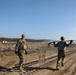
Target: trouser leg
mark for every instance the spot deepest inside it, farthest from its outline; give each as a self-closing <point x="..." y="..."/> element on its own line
<point x="21" y="60"/>
<point x="58" y="60"/>
<point x="59" y="57"/>
<point x="62" y="60"/>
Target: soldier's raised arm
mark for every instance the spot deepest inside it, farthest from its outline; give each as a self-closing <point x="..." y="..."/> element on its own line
<point x="49" y="43"/>
<point x="55" y="45"/>
<point x="69" y="43"/>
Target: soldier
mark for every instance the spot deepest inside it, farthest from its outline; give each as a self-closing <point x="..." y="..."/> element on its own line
<point x="61" y="53"/>
<point x="20" y="49"/>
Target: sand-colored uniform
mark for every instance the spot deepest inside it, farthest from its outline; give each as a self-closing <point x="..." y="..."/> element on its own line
<point x="21" y="48"/>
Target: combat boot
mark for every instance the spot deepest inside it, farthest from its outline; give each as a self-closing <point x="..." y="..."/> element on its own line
<point x="21" y="69"/>
<point x="62" y="64"/>
<point x="58" y="66"/>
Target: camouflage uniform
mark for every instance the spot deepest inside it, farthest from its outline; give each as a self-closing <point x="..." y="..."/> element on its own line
<point x="21" y="50"/>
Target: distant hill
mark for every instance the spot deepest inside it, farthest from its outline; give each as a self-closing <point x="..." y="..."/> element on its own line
<point x="15" y="40"/>
<point x="32" y="40"/>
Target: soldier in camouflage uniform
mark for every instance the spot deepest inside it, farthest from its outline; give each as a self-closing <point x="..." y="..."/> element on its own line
<point x="20" y="50"/>
<point x="61" y="53"/>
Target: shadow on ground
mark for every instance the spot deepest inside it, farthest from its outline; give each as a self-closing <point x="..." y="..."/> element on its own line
<point x="39" y="68"/>
<point x="3" y="69"/>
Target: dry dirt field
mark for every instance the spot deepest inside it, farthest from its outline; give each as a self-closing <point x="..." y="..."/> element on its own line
<point x="40" y="60"/>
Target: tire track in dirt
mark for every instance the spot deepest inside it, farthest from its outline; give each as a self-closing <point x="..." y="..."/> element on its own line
<point x="48" y="63"/>
<point x="35" y="62"/>
<point x="71" y="70"/>
<point x="68" y="64"/>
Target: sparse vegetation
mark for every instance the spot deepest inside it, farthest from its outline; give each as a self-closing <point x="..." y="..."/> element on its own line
<point x="36" y="51"/>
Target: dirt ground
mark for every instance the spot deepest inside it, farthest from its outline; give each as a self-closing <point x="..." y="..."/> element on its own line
<point x="38" y="61"/>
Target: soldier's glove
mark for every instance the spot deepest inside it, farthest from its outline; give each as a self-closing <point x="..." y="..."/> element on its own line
<point x="54" y="42"/>
<point x="71" y="41"/>
<point x="26" y="52"/>
<point x="49" y="44"/>
<point x="16" y="52"/>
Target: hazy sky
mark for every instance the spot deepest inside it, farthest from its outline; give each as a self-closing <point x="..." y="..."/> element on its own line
<point x="38" y="19"/>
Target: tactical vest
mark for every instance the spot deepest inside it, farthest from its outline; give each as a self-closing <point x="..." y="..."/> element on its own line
<point x="22" y="45"/>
